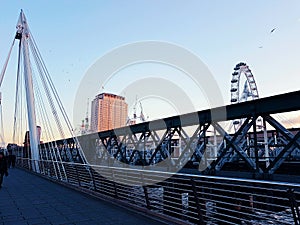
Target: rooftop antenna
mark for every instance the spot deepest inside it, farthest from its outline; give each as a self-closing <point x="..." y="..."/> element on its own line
<point x="134" y="108"/>
<point x="87" y="116"/>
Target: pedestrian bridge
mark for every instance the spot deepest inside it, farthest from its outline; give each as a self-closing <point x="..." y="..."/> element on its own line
<point x="141" y="167"/>
<point x="89" y="195"/>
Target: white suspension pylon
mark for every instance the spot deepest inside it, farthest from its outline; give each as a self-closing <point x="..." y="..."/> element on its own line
<point x="23" y="35"/>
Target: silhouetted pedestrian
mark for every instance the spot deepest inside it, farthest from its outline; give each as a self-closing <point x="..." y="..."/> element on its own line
<point x="11" y="155"/>
<point x="3" y="167"/>
<point x="14" y="157"/>
<point x="11" y="150"/>
<point x="9" y="158"/>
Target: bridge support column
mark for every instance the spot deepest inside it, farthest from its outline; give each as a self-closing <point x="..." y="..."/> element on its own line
<point x="24" y="32"/>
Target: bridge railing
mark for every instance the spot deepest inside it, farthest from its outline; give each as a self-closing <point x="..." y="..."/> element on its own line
<point x="182" y="198"/>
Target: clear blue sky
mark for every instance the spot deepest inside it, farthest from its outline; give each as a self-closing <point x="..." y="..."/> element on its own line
<point x="72" y="35"/>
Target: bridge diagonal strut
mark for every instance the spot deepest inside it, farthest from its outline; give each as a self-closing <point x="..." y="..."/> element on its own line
<point x="235" y="147"/>
<point x="293" y="141"/>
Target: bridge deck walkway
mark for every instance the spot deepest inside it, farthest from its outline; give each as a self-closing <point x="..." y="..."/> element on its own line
<point x="29" y="199"/>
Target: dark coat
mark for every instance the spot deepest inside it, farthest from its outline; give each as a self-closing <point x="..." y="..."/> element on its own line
<point x="3" y="164"/>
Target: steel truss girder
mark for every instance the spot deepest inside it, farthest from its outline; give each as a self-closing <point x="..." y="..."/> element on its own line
<point x="201" y="143"/>
<point x="197" y="137"/>
<point x="162" y="144"/>
<point x="134" y="141"/>
<point x="124" y="143"/>
<point x="232" y="146"/>
<point x="292" y="143"/>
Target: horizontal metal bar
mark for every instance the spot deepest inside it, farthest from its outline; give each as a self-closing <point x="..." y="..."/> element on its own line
<point x="263" y="106"/>
<point x="230" y="198"/>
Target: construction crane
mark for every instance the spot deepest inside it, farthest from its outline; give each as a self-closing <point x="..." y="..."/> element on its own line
<point x="136" y="119"/>
<point x="85" y="122"/>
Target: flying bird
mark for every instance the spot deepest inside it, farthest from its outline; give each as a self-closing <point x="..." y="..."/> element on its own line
<point x="272" y="30"/>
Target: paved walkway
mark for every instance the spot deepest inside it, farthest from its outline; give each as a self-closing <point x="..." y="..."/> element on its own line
<point x="28" y="199"/>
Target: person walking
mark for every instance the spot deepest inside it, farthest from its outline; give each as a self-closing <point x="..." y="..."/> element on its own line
<point x="9" y="158"/>
<point x="11" y="161"/>
<point x="13" y="156"/>
<point x="3" y="167"/>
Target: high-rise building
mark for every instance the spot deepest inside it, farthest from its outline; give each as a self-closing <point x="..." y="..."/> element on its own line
<point x="108" y="111"/>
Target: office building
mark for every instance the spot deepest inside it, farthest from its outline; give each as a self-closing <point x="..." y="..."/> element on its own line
<point x="108" y="111"/>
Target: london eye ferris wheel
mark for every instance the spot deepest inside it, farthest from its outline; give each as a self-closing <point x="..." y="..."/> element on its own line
<point x="243" y="88"/>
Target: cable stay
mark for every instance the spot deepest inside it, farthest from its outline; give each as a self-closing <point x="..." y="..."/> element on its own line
<point x="47" y="125"/>
<point x="2" y="139"/>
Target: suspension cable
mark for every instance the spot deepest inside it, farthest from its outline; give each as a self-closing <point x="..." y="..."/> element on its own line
<point x="2" y="128"/>
<point x="1" y="80"/>
<point x="55" y="93"/>
<point x="6" y="63"/>
<point x="54" y="102"/>
<point x="46" y="88"/>
<point x="56" y="96"/>
<point x="17" y="97"/>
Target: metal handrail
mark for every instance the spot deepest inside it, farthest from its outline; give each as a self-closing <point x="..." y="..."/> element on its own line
<point x="188" y="198"/>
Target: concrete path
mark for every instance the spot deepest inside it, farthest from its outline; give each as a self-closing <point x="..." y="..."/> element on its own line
<point x="29" y="199"/>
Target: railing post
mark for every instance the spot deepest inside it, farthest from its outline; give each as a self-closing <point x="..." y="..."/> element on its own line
<point x="145" y="191"/>
<point x="147" y="197"/>
<point x="194" y="189"/>
<point x="114" y="183"/>
<point x="294" y="206"/>
<point x="77" y="176"/>
<point x="67" y="177"/>
<point x="92" y="177"/>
